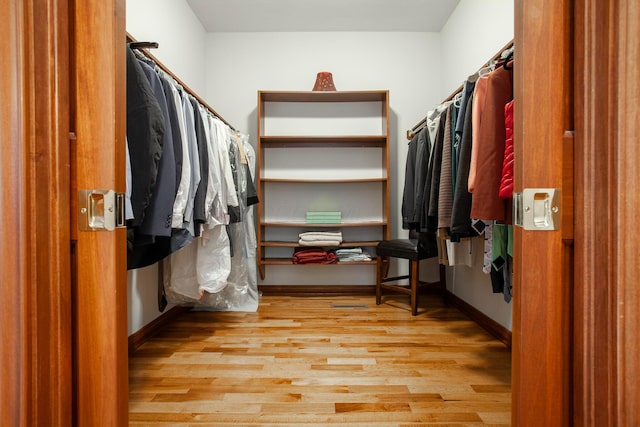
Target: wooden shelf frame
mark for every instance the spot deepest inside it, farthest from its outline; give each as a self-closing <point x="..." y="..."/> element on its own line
<point x="326" y="180"/>
<point x="268" y="244"/>
<point x="302" y="224"/>
<point x="324" y="96"/>
<point x="279" y="141"/>
<point x="288" y="261"/>
<point x="265" y="142"/>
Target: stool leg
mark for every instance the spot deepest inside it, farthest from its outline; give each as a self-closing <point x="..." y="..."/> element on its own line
<point x="379" y="276"/>
<point x="414" y="272"/>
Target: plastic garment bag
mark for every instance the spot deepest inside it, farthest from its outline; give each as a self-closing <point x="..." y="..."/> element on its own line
<point x="213" y="260"/>
<point x="241" y="291"/>
<point x="218" y="270"/>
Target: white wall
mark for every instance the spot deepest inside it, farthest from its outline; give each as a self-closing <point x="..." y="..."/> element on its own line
<point x="179" y="33"/>
<point x="475" y="32"/>
<point x="408" y="64"/>
<point x="181" y="40"/>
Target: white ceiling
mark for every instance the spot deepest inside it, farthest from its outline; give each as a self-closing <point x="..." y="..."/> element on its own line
<point x="323" y="15"/>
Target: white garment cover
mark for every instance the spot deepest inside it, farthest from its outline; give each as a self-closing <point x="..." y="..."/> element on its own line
<point x="213" y="263"/>
<point x="203" y="274"/>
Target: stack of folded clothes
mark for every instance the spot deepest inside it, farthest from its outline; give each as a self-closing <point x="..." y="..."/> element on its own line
<point x="313" y="256"/>
<point x="315" y="217"/>
<point x="352" y="254"/>
<point x="320" y="238"/>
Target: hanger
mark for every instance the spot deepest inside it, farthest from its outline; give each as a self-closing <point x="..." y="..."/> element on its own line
<point x="508" y="59"/>
<point x="507" y="56"/>
<point x="457" y="99"/>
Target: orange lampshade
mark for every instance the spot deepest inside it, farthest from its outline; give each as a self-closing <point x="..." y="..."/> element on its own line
<point x="324" y="81"/>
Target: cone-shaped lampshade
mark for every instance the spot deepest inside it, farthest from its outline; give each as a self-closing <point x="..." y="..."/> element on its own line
<point x="324" y="81"/>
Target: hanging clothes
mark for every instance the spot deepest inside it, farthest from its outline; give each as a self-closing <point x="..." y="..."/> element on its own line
<point x="410" y="184"/>
<point x="187" y="170"/>
<point x="489" y="148"/>
<point x="145" y="131"/>
<point x="466" y="188"/>
<point x="158" y="220"/>
<point x="506" y="180"/>
<point x="461" y="209"/>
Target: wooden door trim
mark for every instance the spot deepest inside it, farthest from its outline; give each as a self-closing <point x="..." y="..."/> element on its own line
<point x="36" y="315"/>
<point x="606" y="297"/>
<point x="541" y="379"/>
<point x="100" y="288"/>
<point x="627" y="269"/>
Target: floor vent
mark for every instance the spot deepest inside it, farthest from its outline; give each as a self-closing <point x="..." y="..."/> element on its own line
<point x="349" y="306"/>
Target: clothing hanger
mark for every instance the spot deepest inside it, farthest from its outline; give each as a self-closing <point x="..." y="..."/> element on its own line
<point x="508" y="59"/>
<point x="489" y="68"/>
<point x="457" y="99"/>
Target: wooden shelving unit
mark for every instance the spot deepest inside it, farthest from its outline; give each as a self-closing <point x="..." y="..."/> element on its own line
<point x="308" y="148"/>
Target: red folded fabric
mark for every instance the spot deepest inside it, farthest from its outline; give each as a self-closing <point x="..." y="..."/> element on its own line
<point x="314" y="256"/>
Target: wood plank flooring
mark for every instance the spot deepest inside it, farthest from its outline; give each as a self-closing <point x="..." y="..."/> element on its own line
<point x="319" y="361"/>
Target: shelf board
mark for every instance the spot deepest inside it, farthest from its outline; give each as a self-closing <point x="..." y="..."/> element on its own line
<point x="306" y="225"/>
<point x="277" y="141"/>
<point x="324" y="96"/>
<point x="295" y="244"/>
<point x="288" y="261"/>
<point x="323" y="181"/>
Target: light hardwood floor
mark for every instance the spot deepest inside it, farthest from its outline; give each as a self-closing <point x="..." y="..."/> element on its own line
<point x="315" y="361"/>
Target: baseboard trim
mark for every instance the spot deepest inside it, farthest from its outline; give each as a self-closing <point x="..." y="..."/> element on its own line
<point x="319" y="290"/>
<point x="484" y="321"/>
<point x="138" y="338"/>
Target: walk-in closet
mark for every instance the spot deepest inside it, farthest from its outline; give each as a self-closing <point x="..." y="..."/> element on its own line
<point x="355" y="213"/>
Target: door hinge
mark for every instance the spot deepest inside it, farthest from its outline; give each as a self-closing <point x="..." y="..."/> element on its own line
<point x="537" y="209"/>
<point x="100" y="210"/>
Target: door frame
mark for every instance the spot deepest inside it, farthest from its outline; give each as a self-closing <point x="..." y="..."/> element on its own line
<point x="64" y="318"/>
<point x="36" y="317"/>
<point x="98" y="87"/>
<point x="576" y="304"/>
<point x="607" y="302"/>
<point x="543" y="260"/>
<point x="38" y="321"/>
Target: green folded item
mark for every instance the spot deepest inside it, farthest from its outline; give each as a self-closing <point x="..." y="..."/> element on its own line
<point x="324" y="218"/>
<point x="324" y="214"/>
<point x="323" y="221"/>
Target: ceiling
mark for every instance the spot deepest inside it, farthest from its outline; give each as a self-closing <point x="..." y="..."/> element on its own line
<point x="325" y="15"/>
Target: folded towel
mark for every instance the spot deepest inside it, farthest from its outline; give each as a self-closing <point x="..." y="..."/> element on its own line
<point x="364" y="256"/>
<point x="347" y="251"/>
<point x="334" y="242"/>
<point x="331" y="220"/>
<point x="355" y="257"/>
<point x="324" y="215"/>
<point x="320" y="239"/>
<point x="322" y="235"/>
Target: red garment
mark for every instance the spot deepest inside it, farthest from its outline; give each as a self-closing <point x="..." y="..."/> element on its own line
<point x="486" y="203"/>
<point x="314" y="256"/>
<point x="479" y="94"/>
<point x="506" y="184"/>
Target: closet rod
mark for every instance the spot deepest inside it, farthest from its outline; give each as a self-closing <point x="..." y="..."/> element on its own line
<point x="146" y="45"/>
<point x="411" y="132"/>
<point x="143" y="45"/>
